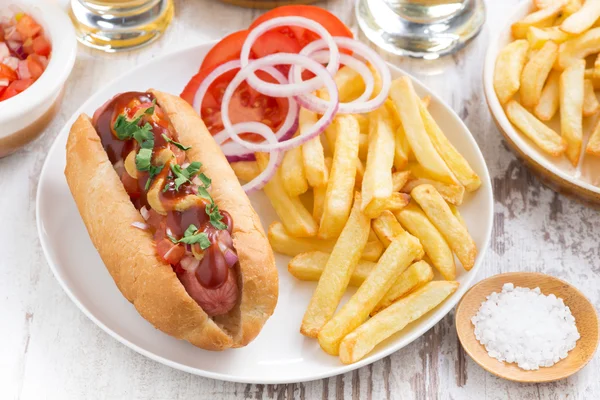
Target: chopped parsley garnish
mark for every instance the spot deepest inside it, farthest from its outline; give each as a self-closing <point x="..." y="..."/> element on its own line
<point x="183" y="175"/>
<point x="176" y="144"/>
<point x="126" y="129"/>
<point x="150" y="110"/>
<point x="143" y="159"/>
<point x="212" y="210"/>
<point x="192" y="236"/>
<point x="153" y="171"/>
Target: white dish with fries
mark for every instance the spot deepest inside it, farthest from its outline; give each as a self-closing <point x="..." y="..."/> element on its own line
<point x="569" y="162"/>
<point x="280" y="354"/>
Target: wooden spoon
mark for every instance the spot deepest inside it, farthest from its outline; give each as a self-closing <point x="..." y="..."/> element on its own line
<point x="581" y="308"/>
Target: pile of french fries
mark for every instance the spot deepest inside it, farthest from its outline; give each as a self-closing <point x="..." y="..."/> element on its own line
<point x="371" y="203"/>
<point x="544" y="73"/>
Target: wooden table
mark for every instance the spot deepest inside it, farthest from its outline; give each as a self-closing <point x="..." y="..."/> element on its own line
<point x="49" y="349"/>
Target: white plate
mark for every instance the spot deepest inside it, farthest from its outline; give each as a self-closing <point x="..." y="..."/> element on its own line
<point x="280" y="354"/>
<point x="557" y="170"/>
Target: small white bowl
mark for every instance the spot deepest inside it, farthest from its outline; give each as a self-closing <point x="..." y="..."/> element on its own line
<point x="556" y="172"/>
<point x="25" y="116"/>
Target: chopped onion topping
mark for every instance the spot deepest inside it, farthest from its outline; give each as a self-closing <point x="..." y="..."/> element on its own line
<point x="140" y="225"/>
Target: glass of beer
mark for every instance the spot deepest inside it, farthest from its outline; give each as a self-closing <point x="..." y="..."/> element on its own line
<point x="420" y="28"/>
<point x="115" y="25"/>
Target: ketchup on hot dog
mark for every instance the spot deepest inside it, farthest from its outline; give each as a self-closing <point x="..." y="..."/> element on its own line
<point x="189" y="230"/>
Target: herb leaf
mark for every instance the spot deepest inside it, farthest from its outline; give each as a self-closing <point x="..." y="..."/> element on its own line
<point x="212" y="210"/>
<point x="150" y="110"/>
<point x="202" y="192"/>
<point x="176" y="144"/>
<point x="144" y="133"/>
<point x="143" y="158"/>
<point x="125" y="128"/>
<point x="185" y="175"/>
<point x="191" y="237"/>
<point x="154" y="170"/>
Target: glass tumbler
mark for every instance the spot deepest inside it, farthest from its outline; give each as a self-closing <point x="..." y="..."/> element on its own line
<point x="115" y="25"/>
<point x="420" y="28"/>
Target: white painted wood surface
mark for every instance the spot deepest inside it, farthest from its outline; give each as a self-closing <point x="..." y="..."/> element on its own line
<point x="49" y="349"/>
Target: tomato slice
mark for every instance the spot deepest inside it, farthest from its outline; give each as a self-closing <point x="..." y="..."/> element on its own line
<point x="15" y="88"/>
<point x="41" y="46"/>
<point x="304" y="36"/>
<point x="35" y="66"/>
<point x="8" y="73"/>
<point x="227" y="49"/>
<point x="27" y="27"/>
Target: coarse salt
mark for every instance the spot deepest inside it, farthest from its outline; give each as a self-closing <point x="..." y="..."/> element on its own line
<point x="524" y="326"/>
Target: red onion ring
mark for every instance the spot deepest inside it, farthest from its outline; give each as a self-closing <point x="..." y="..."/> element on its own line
<point x="320" y="105"/>
<point x="299" y="87"/>
<point x="290" y="124"/>
<point x="281" y="59"/>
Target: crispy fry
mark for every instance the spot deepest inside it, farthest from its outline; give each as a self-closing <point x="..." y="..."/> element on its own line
<point x="363" y="146"/>
<point x="535" y="74"/>
<point x="578" y="48"/>
<point x="537" y="37"/>
<point x="386" y="227"/>
<point x="319" y="194"/>
<point x="396" y="202"/>
<point x="414" y="277"/>
<point x="399" y="179"/>
<point x="283" y="243"/>
<point x="294" y="216"/>
<point x="414" y="220"/>
<point x="549" y="100"/>
<point x="393" y="319"/>
<point x="312" y="151"/>
<point x="544" y="3"/>
<point x="452" y="157"/>
<point x="571" y="109"/>
<point x="401" y="148"/>
<point x="509" y="66"/>
<point x="245" y="170"/>
<point x="590" y="101"/>
<point x="394" y="261"/>
<point x="363" y="122"/>
<point x="349" y="83"/>
<point x="441" y="216"/>
<point x="453" y="194"/>
<point x="310" y="266"/>
<point x="360" y="173"/>
<point x="583" y="19"/>
<point x="593" y="145"/>
<point x="292" y="172"/>
<point x="544" y="137"/>
<point x="340" y="187"/>
<point x="336" y="275"/>
<point x="540" y="19"/>
<point x="426" y="101"/>
<point x="590" y="74"/>
<point x="377" y="181"/>
<point x="408" y="106"/>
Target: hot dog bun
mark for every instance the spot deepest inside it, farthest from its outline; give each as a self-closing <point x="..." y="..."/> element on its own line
<point x="130" y="255"/>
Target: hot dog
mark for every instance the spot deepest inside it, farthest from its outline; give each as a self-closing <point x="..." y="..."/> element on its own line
<point x="170" y="221"/>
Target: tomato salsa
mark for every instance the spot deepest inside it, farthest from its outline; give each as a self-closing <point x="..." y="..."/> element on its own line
<point x="173" y="196"/>
<point x="24" y="53"/>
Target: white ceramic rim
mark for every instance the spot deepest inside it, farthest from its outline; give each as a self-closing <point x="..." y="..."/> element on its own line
<point x="498" y="112"/>
<point x="59" y="29"/>
<point x="443" y="310"/>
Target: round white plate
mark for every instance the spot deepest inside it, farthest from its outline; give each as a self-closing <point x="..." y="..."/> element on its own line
<point x="280" y="354"/>
<point x="583" y="179"/>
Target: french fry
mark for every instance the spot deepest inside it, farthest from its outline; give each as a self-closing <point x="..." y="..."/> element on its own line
<point x="292" y="172"/>
<point x="294" y="216"/>
<point x="453" y="194"/>
<point x="401" y="148"/>
<point x="350" y="85"/>
<point x="412" y="278"/>
<point x="386" y="227"/>
<point x="393" y="319"/>
<point x="593" y="145"/>
<point x="549" y="100"/>
<point x="360" y="173"/>
<point x="535" y="73"/>
<point x="452" y="157"/>
<point x="310" y="266"/>
<point x="596" y="70"/>
<point x="363" y="123"/>
<point x="544" y="3"/>
<point x="537" y="37"/>
<point x="282" y="242"/>
<point x="397" y="257"/>
<point x="414" y="220"/>
<point x="319" y="194"/>
<point x="396" y="202"/>
<point x="540" y="19"/>
<point x="590" y="101"/>
<point x="340" y="187"/>
<point x="441" y="216"/>
<point x="544" y="137"/>
<point x="509" y="66"/>
<point x="578" y="48"/>
<point x="571" y="109"/>
<point x="399" y="179"/>
<point x="312" y="151"/>
<point x="408" y="106"/>
<point x="426" y="101"/>
<point x="338" y="270"/>
<point x="583" y="19"/>
<point x="590" y="73"/>
<point x="245" y="170"/>
<point x="363" y="146"/>
<point x="377" y="181"/>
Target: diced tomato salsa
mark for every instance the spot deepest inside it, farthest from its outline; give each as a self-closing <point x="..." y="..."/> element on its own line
<point x="24" y="53"/>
